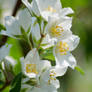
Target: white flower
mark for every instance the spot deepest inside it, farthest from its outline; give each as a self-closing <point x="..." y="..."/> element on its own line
<point x="49" y="76"/>
<point x="32" y="66"/>
<point x="59" y="27"/>
<point x="62" y="51"/>
<point x="13" y="24"/>
<point x="47" y="80"/>
<point x="46" y="8"/>
<point x="4" y="51"/>
<point x="42" y="88"/>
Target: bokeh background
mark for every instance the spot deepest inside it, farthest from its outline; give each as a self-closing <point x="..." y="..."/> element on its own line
<point x="72" y="81"/>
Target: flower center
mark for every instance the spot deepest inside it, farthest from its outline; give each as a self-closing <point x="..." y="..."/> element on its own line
<point x="63" y="48"/>
<point x="56" y="31"/>
<point x="52" y="76"/>
<point x="50" y="9"/>
<point x="31" y="68"/>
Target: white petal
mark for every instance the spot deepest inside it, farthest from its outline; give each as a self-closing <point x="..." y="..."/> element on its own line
<point x="32" y="57"/>
<point x="45" y="64"/>
<point x="35" y="7"/>
<point x="4" y="51"/>
<point x="28" y="5"/>
<point x="66" y="22"/>
<point x="65" y="60"/>
<point x="66" y="11"/>
<point x="56" y="83"/>
<point x="11" y="60"/>
<point x="60" y="70"/>
<point x="24" y="19"/>
<point x="43" y="4"/>
<point x="72" y="41"/>
<point x="31" y="75"/>
<point x="35" y="30"/>
<point x="48" y="88"/>
<point x="12" y="26"/>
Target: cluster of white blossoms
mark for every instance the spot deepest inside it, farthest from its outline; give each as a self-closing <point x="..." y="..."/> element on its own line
<point x="44" y="24"/>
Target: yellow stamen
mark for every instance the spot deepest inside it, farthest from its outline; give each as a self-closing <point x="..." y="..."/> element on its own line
<point x="56" y="31"/>
<point x="31" y="68"/>
<point x="52" y="76"/>
<point x="63" y="48"/>
<point x="50" y="9"/>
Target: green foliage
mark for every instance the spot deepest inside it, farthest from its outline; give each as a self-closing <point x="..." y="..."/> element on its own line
<point x="2" y="27"/>
<point x="16" y="83"/>
<point x="16" y="51"/>
<point x="79" y="70"/>
<point x="74" y="3"/>
<point x="47" y="54"/>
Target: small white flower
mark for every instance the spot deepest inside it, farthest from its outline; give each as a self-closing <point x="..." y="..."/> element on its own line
<point x="13" y="24"/>
<point x="62" y="51"/>
<point x="42" y="88"/>
<point x="59" y="27"/>
<point x="4" y="51"/>
<point x="46" y="8"/>
<point x="47" y="81"/>
<point x="32" y="66"/>
<point x="35" y="68"/>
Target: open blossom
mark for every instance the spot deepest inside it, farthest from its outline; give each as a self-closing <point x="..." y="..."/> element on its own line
<point x="4" y="51"/>
<point x="46" y="8"/>
<point x="13" y="24"/>
<point x="62" y="51"/>
<point x="32" y="66"/>
<point x="42" y="71"/>
<point x="59" y="27"/>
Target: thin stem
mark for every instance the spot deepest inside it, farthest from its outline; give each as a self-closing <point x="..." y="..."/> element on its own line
<point x="29" y="43"/>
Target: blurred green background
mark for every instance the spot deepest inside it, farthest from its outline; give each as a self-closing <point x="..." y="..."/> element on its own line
<point x="72" y="81"/>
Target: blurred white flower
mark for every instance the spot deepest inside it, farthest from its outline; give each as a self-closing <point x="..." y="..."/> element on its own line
<point x="6" y="6"/>
<point x="4" y="51"/>
<point x="46" y="8"/>
<point x="62" y="51"/>
<point x="13" y="24"/>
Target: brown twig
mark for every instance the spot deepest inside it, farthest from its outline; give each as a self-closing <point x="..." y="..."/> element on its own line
<point x="17" y="6"/>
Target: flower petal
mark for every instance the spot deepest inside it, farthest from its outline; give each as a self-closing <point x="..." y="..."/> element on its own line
<point x="66" y="11"/>
<point x="24" y="19"/>
<point x="65" y="60"/>
<point x="4" y="51"/>
<point x="12" y="27"/>
<point x="72" y="41"/>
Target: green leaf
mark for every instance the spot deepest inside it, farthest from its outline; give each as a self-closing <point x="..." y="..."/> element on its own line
<point x="28" y="31"/>
<point x="47" y="54"/>
<point x="2" y="77"/>
<point x="2" y="27"/>
<point x="79" y="70"/>
<point x="23" y="31"/>
<point x="16" y="83"/>
<point x="18" y="36"/>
